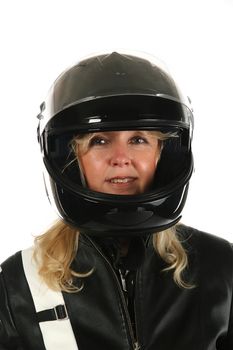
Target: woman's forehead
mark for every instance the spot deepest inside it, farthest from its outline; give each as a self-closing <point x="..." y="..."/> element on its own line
<point x="123" y="132"/>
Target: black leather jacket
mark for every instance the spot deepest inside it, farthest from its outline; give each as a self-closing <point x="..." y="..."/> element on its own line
<point x="167" y="317"/>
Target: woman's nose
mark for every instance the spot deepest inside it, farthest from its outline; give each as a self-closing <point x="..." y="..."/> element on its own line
<point x="120" y="156"/>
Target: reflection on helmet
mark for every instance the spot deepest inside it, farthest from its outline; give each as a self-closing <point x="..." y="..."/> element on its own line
<point x="116" y="92"/>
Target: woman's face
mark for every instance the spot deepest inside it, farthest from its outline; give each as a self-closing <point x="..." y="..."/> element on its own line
<point x="120" y="162"/>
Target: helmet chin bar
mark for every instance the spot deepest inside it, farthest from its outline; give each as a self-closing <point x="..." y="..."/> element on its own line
<point x="122" y="231"/>
<point x="99" y="219"/>
<point x="129" y="223"/>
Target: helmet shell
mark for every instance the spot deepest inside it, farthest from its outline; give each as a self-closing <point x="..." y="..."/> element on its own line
<point x="116" y="92"/>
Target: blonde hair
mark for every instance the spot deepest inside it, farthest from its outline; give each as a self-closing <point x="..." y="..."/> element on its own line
<point x="55" y="250"/>
<point x="54" y="253"/>
<point x="169" y="247"/>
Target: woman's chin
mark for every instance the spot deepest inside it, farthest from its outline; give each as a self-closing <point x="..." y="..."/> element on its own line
<point x="122" y="189"/>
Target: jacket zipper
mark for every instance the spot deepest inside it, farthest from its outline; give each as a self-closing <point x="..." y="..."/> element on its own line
<point x="128" y="321"/>
<point x="124" y="287"/>
<point x="137" y="346"/>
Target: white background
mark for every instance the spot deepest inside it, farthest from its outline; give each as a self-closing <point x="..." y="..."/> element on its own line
<point x="40" y="38"/>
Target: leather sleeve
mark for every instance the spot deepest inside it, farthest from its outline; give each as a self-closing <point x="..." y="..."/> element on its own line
<point x="228" y="342"/>
<point x="9" y="339"/>
<point x="229" y="345"/>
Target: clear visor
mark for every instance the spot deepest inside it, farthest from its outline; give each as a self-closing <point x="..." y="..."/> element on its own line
<point x="109" y="161"/>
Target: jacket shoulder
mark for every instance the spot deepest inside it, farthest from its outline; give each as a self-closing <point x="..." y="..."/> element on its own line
<point x="9" y="337"/>
<point x="9" y="263"/>
<point x="209" y="249"/>
<point x="202" y="237"/>
<point x="213" y="260"/>
<point x="17" y="307"/>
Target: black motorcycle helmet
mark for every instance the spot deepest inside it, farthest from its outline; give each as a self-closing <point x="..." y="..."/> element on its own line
<point x="116" y="92"/>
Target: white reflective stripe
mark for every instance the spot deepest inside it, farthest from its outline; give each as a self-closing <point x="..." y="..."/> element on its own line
<point x="58" y="334"/>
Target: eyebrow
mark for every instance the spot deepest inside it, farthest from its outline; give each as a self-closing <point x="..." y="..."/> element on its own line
<point x="140" y="132"/>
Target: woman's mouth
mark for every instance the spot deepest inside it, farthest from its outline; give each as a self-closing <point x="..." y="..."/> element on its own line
<point x="121" y="180"/>
<point x="127" y="185"/>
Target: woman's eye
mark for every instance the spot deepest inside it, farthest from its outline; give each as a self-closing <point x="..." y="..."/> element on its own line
<point x="138" y="140"/>
<point x="97" y="141"/>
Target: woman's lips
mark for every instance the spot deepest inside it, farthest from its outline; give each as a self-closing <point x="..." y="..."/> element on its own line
<point x="122" y="185"/>
<point x="121" y="179"/>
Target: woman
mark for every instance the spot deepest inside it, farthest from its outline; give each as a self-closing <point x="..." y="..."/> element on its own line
<point x="118" y="271"/>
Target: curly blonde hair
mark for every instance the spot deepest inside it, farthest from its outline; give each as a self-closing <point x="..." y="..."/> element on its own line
<point x="56" y="248"/>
